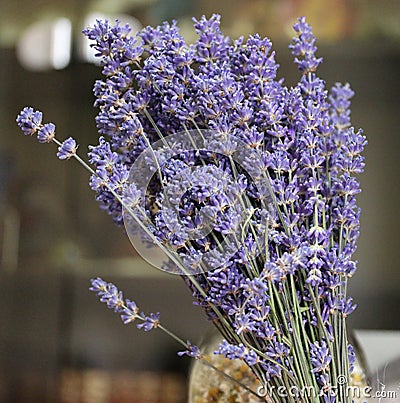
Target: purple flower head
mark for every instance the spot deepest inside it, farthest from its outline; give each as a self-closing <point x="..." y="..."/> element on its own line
<point x="348" y="307"/>
<point x="320" y="356"/>
<point x="108" y="293"/>
<point x="99" y="286"/>
<point x="251" y="358"/>
<point x="304" y="48"/>
<point x="212" y="44"/>
<point x="271" y="272"/>
<point x="67" y="149"/>
<point x="243" y="324"/>
<point x="352" y="357"/>
<point x="129" y="312"/>
<point x="46" y="134"/>
<point x="192" y="351"/>
<point x="149" y="322"/>
<point x="29" y="121"/>
<point x="131" y="196"/>
<point x="231" y="351"/>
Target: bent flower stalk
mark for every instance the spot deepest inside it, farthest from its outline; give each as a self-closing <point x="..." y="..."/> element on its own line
<point x="249" y="189"/>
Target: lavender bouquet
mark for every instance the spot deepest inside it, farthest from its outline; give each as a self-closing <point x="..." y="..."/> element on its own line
<point x="246" y="185"/>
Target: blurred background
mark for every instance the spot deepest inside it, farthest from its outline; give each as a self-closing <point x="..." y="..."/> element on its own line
<point x="57" y="343"/>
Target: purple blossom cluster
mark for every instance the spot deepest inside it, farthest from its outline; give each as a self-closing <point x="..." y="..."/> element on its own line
<point x="304" y="148"/>
<point x="127" y="309"/>
<point x="276" y="178"/>
<point x="30" y="122"/>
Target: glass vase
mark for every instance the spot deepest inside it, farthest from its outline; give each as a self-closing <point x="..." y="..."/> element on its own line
<point x="206" y="385"/>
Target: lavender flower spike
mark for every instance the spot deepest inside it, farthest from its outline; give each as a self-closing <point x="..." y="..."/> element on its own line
<point x="304" y="48"/>
<point x="109" y="294"/>
<point x="127" y="309"/>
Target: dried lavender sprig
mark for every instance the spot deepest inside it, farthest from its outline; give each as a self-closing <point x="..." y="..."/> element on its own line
<point x="109" y="294"/>
<point x="30" y="122"/>
<point x="127" y="309"/>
